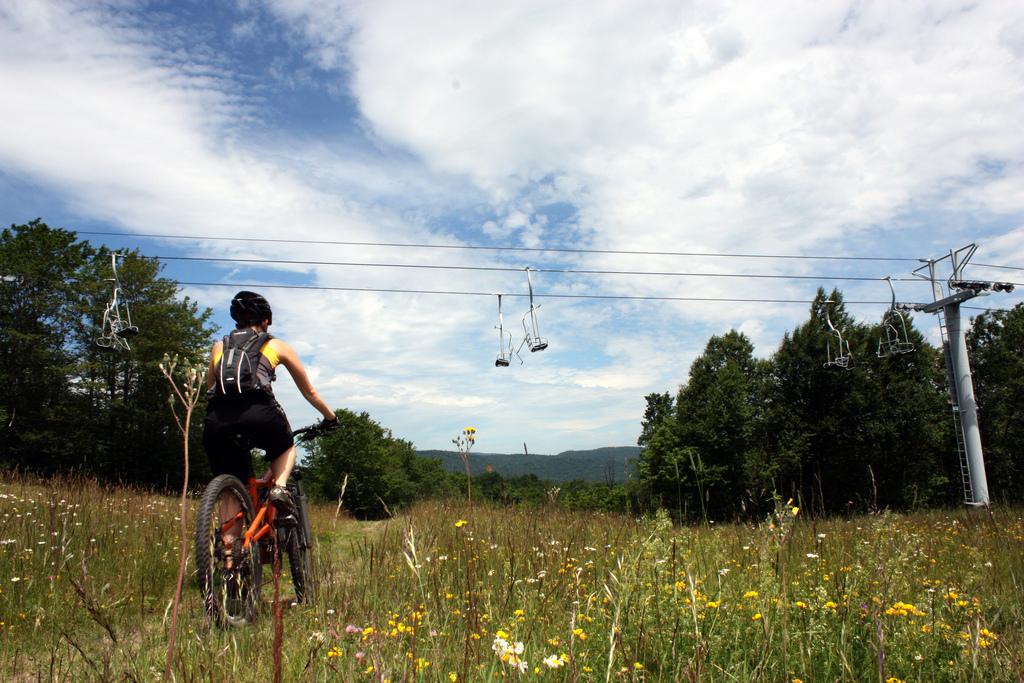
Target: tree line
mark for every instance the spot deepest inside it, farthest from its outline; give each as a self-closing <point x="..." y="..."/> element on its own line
<point x="879" y="434"/>
<point x="738" y="432"/>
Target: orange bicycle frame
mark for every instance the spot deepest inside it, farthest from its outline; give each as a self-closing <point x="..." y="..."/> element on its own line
<point x="263" y="522"/>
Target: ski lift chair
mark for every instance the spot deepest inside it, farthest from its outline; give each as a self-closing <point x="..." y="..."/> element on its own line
<point x="842" y="357"/>
<point x="893" y="344"/>
<point x="109" y="339"/>
<point x="116" y="330"/>
<point x="122" y="327"/>
<point x="533" y="341"/>
<point x="896" y="341"/>
<point x="532" y="338"/>
<point x="504" y="352"/>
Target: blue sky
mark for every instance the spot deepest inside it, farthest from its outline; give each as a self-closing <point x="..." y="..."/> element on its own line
<point x="852" y="129"/>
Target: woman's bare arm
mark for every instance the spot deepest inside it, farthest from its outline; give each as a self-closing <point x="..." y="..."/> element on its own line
<point x="210" y="378"/>
<point x="286" y="354"/>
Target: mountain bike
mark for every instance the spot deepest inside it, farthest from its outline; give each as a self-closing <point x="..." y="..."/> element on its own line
<point x="230" y="577"/>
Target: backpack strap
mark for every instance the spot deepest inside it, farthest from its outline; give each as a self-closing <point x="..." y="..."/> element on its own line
<point x="225" y="345"/>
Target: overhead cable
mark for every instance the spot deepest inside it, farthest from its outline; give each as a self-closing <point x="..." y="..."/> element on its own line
<point x="506" y="269"/>
<point x="989" y="265"/>
<point x="501" y="248"/>
<point x="629" y="297"/>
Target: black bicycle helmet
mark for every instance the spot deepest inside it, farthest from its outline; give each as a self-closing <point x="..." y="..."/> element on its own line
<point x="249" y="308"/>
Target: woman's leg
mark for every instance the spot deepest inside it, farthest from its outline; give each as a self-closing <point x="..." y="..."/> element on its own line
<point x="281" y="466"/>
<point x="229" y="509"/>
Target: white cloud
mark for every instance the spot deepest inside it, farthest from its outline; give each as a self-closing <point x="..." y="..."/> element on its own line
<point x="709" y="126"/>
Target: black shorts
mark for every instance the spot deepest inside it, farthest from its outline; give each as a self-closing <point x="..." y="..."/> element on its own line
<point x="233" y="427"/>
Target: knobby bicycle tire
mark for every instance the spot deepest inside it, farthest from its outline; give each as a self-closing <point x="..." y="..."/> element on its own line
<point x="230" y="594"/>
<point x="301" y="566"/>
<point x="299" y="545"/>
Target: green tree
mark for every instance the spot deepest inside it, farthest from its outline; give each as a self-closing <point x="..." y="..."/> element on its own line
<point x="816" y="410"/>
<point x="123" y="390"/>
<point x="906" y="425"/>
<point x="716" y="411"/>
<point x="74" y="405"/>
<point x="659" y="407"/>
<point x="661" y="474"/>
<point x="697" y="456"/>
<point x="873" y="434"/>
<point x="383" y="472"/>
<point x="869" y="435"/>
<point x="579" y="495"/>
<point x="41" y="269"/>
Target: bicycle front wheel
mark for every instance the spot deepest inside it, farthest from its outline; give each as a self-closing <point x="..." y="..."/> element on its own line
<point x="299" y="546"/>
<point x="301" y="565"/>
<point x="229" y="575"/>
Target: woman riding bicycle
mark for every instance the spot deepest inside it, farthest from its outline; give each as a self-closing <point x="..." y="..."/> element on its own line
<point x="242" y="412"/>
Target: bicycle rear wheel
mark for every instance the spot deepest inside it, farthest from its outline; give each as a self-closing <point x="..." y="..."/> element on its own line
<point x="298" y="544"/>
<point x="229" y="577"/>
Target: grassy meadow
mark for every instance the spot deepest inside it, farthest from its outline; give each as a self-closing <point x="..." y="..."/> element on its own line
<point x="439" y="593"/>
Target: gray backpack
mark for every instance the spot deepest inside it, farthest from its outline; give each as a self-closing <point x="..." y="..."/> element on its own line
<point x="242" y="369"/>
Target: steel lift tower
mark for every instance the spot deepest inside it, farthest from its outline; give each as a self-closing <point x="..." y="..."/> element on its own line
<point x="958" y="366"/>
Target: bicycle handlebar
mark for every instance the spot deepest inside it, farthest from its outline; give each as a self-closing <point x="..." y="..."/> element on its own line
<point x="316" y="430"/>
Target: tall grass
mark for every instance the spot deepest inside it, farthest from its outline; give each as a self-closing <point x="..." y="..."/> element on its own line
<point x="435" y="594"/>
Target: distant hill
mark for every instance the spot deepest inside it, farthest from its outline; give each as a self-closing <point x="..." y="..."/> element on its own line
<point x="600" y="464"/>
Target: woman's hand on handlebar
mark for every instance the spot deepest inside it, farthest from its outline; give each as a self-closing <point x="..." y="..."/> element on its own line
<point x="319" y="429"/>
